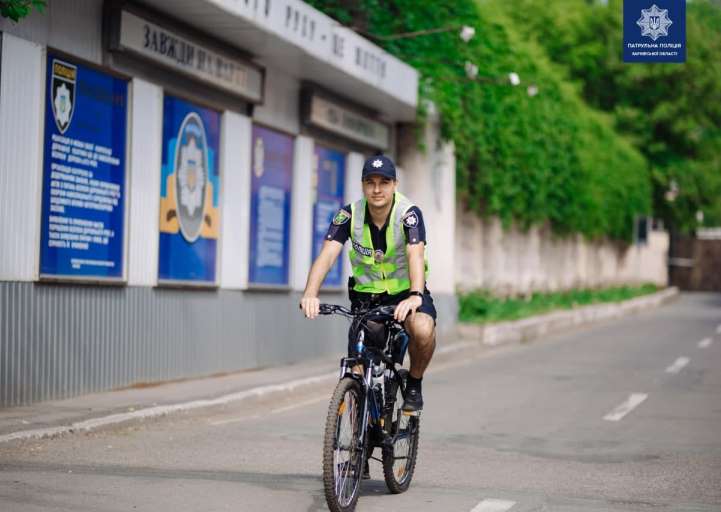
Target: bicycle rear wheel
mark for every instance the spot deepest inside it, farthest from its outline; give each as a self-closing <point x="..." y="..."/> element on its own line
<point x="342" y="450"/>
<point x="399" y="459"/>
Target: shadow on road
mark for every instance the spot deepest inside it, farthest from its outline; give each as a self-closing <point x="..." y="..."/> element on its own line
<point x="272" y="481"/>
<point x="309" y="483"/>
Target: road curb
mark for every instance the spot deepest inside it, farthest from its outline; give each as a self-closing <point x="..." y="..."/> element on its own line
<point x="528" y="329"/>
<point x="164" y="410"/>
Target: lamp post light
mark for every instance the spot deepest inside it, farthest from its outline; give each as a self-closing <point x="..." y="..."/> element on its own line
<point x="467" y="33"/>
<point x="532" y="90"/>
<point x="471" y="70"/>
<point x="672" y="192"/>
<point x="514" y="78"/>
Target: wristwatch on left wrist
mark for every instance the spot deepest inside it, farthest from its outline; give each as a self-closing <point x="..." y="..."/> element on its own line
<point x="416" y="293"/>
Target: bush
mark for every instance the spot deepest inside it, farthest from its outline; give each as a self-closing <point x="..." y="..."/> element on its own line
<point x="482" y="306"/>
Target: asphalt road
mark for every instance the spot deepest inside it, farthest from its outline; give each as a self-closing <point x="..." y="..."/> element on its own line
<point x="535" y="427"/>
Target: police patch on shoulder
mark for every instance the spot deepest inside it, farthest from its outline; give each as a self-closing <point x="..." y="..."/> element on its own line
<point x="341" y="217"/>
<point x="410" y="220"/>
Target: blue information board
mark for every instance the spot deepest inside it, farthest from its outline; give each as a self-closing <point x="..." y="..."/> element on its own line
<point x="330" y="173"/>
<point x="82" y="222"/>
<point x="189" y="193"/>
<point x="272" y="174"/>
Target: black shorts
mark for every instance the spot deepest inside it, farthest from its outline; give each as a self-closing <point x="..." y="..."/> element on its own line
<point x="384" y="299"/>
<point x="359" y="299"/>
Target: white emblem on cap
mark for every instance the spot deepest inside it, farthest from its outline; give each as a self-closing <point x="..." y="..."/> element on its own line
<point x="377" y="163"/>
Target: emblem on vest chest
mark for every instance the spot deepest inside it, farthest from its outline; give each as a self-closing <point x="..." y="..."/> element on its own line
<point x="365" y="251"/>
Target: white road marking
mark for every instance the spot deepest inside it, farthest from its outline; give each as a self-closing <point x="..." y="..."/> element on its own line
<point x="705" y="343"/>
<point x="678" y="365"/>
<point x="493" y="506"/>
<point x="237" y="419"/>
<point x="634" y="400"/>
<point x="301" y="404"/>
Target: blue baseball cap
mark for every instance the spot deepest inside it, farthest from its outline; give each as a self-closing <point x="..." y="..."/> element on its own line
<point x="380" y="165"/>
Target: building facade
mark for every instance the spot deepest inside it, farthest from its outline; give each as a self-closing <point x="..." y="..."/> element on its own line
<point x="169" y="168"/>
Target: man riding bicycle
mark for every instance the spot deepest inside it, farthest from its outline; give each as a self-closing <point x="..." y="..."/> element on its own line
<point x="387" y="255"/>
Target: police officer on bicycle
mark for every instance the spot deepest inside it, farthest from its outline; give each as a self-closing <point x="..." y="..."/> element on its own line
<point x="387" y="254"/>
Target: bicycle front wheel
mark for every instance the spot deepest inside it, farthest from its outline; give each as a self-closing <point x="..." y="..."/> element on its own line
<point x="399" y="459"/>
<point x="342" y="447"/>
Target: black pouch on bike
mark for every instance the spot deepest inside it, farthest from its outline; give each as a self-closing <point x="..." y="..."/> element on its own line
<point x="376" y="334"/>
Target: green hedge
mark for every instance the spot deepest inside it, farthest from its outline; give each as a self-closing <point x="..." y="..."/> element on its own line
<point x="529" y="160"/>
<point x="482" y="306"/>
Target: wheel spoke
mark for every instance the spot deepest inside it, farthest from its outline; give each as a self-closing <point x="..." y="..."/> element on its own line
<point x="346" y="453"/>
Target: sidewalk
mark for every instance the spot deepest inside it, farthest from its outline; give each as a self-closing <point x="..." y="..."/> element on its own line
<point x="109" y="409"/>
<point x="48" y="419"/>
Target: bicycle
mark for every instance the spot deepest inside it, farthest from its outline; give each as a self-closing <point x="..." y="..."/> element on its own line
<point x="365" y="409"/>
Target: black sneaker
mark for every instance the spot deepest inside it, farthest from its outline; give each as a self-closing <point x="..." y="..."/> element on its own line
<point x="413" y="401"/>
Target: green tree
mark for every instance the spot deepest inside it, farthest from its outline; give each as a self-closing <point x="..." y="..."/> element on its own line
<point x="670" y="112"/>
<point x="542" y="159"/>
<point x="17" y="9"/>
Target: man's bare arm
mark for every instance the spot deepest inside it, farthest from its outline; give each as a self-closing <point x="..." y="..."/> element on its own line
<point x="417" y="266"/>
<point x="321" y="266"/>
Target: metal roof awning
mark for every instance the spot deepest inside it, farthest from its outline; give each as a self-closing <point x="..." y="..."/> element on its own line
<point x="307" y="44"/>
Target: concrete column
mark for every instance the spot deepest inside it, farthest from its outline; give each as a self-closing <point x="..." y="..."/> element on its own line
<point x="353" y="192"/>
<point x="22" y="100"/>
<point x="145" y="153"/>
<point x="301" y="231"/>
<point x="235" y="162"/>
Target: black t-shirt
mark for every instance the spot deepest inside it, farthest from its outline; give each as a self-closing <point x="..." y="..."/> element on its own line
<point x="413" y="227"/>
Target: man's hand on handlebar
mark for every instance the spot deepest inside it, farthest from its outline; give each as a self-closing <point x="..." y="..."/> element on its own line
<point x="310" y="306"/>
<point x="407" y="306"/>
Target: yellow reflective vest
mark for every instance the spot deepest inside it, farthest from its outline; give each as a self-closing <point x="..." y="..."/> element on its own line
<point x="373" y="270"/>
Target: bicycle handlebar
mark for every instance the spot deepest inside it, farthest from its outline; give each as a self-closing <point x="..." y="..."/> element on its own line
<point x="380" y="312"/>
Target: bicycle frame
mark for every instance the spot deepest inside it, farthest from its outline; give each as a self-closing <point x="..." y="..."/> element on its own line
<point x="372" y="373"/>
<point x="373" y="412"/>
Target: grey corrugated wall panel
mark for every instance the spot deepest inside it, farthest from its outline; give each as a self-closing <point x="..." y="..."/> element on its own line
<point x="58" y="341"/>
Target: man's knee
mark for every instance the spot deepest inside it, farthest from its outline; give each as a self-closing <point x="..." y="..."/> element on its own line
<point x="421" y="327"/>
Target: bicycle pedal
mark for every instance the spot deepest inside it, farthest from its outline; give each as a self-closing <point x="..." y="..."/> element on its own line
<point x="412" y="413"/>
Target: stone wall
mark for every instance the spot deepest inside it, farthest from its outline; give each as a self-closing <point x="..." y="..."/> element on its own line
<point x="515" y="262"/>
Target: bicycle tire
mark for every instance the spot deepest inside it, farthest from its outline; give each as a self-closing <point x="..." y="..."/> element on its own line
<point x="339" y="475"/>
<point x="398" y="475"/>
